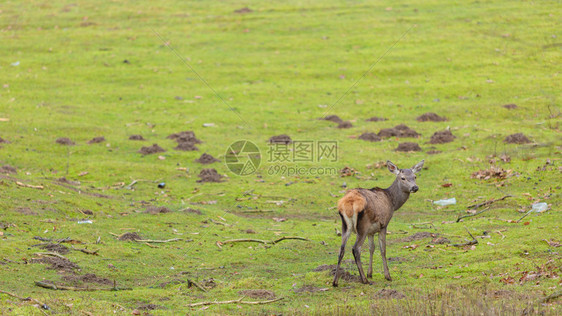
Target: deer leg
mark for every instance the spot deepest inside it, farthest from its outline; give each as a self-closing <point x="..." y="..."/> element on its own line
<point x="382" y="245"/>
<point x="345" y="236"/>
<point x="357" y="255"/>
<point x="371" y="251"/>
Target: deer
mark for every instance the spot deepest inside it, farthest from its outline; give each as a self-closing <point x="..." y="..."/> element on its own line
<point x="368" y="211"/>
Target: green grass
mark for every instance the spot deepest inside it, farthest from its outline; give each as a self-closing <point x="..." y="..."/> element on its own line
<point x="278" y="69"/>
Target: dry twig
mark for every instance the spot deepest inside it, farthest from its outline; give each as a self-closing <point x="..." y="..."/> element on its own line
<point x="470" y="215"/>
<point x="487" y="202"/>
<point x="72" y="288"/>
<point x="273" y="242"/>
<point x="474" y="241"/>
<point x="199" y="286"/>
<point x="238" y="301"/>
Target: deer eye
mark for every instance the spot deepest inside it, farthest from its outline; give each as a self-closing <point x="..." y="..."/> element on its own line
<point x="403" y="178"/>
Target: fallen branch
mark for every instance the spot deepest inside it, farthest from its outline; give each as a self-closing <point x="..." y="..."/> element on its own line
<point x="522" y="217"/>
<point x="41" y="305"/>
<point x="40" y="187"/>
<point x="72" y="288"/>
<point x="488" y="202"/>
<point x="157" y="241"/>
<point x="199" y="286"/>
<point x="86" y="251"/>
<point x="470" y="215"/>
<point x="238" y="301"/>
<point x="53" y="254"/>
<point x="474" y="241"/>
<point x="265" y="242"/>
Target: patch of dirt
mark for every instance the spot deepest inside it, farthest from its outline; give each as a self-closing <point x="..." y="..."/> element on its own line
<point x="150" y="307"/>
<point x="493" y="172"/>
<point x="7" y="169"/>
<point x="434" y="152"/>
<point x="345" y="275"/>
<point x="333" y="118"/>
<point x="185" y="137"/>
<point x="389" y="294"/>
<point x="518" y="138"/>
<point x="157" y="210"/>
<point x="96" y="140"/>
<point x="3" y="141"/>
<point x="58" y="248"/>
<point x="263" y="294"/>
<point x="442" y="137"/>
<point x="376" y="119"/>
<point x="310" y="289"/>
<point x="130" y="237"/>
<point x="430" y="117"/>
<point x="147" y="150"/>
<point x="324" y="267"/>
<point x="406" y="147"/>
<point x="345" y="124"/>
<point x="86" y="278"/>
<point x="209" y="175"/>
<point x="510" y="106"/>
<point x="57" y="263"/>
<point x="206" y="159"/>
<point x="370" y="137"/>
<point x="440" y="241"/>
<point x="136" y="137"/>
<point x="65" y="141"/>
<point x="25" y="211"/>
<point x="418" y="236"/>
<point x="192" y="211"/>
<point x="398" y="131"/>
<point x="280" y="139"/>
<point x="185" y="146"/>
<point x="244" y="10"/>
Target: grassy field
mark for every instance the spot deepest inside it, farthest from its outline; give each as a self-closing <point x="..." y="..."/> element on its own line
<point x="114" y="69"/>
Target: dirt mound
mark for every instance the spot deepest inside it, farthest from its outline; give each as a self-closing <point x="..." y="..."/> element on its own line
<point x="398" y="131"/>
<point x="86" y="278"/>
<point x="430" y="117"/>
<point x="389" y="294"/>
<point x="185" y="137"/>
<point x="209" y="175"/>
<point x="345" y="275"/>
<point x="244" y="10"/>
<point x="406" y="147"/>
<point x="370" y="137"/>
<point x="206" y="159"/>
<point x="6" y="169"/>
<point x="65" y="141"/>
<point x="58" y="248"/>
<point x="157" y="210"/>
<point x="96" y="140"/>
<point x="442" y="137"/>
<point x="518" y="138"/>
<point x="130" y="237"/>
<point x="186" y="146"/>
<point x="345" y="124"/>
<point x="510" y="106"/>
<point x="57" y="263"/>
<point x="418" y="236"/>
<point x="192" y="211"/>
<point x="3" y="141"/>
<point x="280" y="139"/>
<point x="136" y="137"/>
<point x="376" y="119"/>
<point x="440" y="241"/>
<point x="324" y="267"/>
<point x="263" y="294"/>
<point x="147" y="150"/>
<point x="333" y="118"/>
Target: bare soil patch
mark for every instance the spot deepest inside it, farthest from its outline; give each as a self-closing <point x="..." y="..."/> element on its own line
<point x="25" y="211"/>
<point x="406" y="147"/>
<point x="209" y="175"/>
<point x="136" y="137"/>
<point x="442" y="137"/>
<point x="192" y="211"/>
<point x="157" y="210"/>
<point x="510" y="106"/>
<point x="398" y="131"/>
<point x="86" y="278"/>
<point x="58" y="248"/>
<point x="518" y="138"/>
<point x="333" y="118"/>
<point x="130" y="237"/>
<point x="263" y="294"/>
<point x="185" y="137"/>
<point x="65" y="141"/>
<point x="7" y="169"/>
<point x="280" y="139"/>
<point x="147" y="150"/>
<point x="344" y="274"/>
<point x="96" y="140"/>
<point x="376" y="119"/>
<point x="430" y="117"/>
<point x="150" y="307"/>
<point x="56" y="263"/>
<point x="433" y="152"/>
<point x="206" y="159"/>
<point x="418" y="236"/>
<point x="370" y="137"/>
<point x="345" y="124"/>
<point x="389" y="294"/>
<point x="186" y="146"/>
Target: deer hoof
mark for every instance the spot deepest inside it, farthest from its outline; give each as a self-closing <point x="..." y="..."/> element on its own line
<point x="388" y="277"/>
<point x="334" y="284"/>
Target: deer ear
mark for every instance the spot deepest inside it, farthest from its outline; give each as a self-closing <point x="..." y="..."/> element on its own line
<point x="418" y="166"/>
<point x="392" y="167"/>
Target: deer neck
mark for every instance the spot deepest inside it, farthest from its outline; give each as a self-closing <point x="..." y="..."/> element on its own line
<point x="397" y="196"/>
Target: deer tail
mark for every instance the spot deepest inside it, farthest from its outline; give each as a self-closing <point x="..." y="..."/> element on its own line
<point x="349" y="207"/>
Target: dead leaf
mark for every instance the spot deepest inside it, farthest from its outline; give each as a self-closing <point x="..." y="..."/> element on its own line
<point x="508" y="280"/>
<point x="446" y="185"/>
<point x="414" y="246"/>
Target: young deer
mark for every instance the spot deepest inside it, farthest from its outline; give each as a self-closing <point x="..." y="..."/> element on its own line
<point x="368" y="211"/>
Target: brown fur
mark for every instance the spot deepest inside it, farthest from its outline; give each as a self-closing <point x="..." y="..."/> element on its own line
<point x="352" y="203"/>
